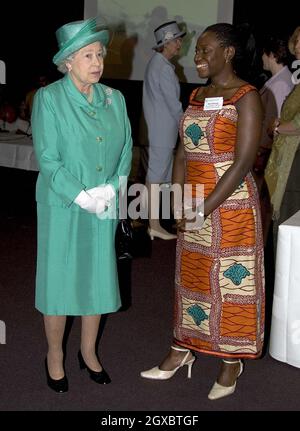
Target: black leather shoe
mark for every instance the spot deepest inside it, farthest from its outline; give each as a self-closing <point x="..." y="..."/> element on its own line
<point x="100" y="377"/>
<point x="60" y="385"/>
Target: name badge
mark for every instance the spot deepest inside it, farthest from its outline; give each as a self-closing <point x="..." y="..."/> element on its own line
<point x="213" y="103"/>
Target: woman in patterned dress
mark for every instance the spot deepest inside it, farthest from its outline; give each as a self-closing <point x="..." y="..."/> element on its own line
<point x="219" y="281"/>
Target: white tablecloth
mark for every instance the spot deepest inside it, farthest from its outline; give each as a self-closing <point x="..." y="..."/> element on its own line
<point x="285" y="328"/>
<point x="16" y="151"/>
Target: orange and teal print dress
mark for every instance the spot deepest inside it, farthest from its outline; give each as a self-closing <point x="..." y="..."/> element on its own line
<point x="219" y="295"/>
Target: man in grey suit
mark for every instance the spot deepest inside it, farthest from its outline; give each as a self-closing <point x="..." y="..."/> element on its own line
<point x="162" y="111"/>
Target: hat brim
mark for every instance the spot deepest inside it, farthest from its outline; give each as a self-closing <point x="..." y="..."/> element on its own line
<point x="102" y="36"/>
<point x="183" y="33"/>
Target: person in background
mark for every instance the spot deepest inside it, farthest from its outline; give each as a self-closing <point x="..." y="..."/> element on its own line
<point x="83" y="145"/>
<point x="275" y="60"/>
<point x="283" y="169"/>
<point x="11" y="120"/>
<point x="162" y="111"/>
<point x="219" y="278"/>
<point x="41" y="81"/>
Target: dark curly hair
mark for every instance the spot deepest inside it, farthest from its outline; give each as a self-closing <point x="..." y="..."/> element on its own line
<point x="279" y="48"/>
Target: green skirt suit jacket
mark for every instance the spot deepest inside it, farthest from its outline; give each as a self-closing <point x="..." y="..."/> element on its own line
<point x="78" y="145"/>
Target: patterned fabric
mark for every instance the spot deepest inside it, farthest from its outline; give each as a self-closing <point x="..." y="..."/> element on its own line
<point x="219" y="304"/>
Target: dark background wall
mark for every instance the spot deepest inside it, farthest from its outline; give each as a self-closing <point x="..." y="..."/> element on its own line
<point x="267" y="16"/>
<point x="27" y="37"/>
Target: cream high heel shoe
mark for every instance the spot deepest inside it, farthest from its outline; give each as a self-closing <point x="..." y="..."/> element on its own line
<point x="157" y="374"/>
<point x="219" y="391"/>
<point x="162" y="235"/>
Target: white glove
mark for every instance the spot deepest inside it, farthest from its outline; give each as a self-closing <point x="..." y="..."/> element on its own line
<point x="89" y="203"/>
<point x="104" y="192"/>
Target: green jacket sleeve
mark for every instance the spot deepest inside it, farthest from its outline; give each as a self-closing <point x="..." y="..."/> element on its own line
<point x="124" y="165"/>
<point x="45" y="141"/>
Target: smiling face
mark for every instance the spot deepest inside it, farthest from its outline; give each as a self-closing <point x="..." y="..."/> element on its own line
<point x="86" y="68"/>
<point x="210" y="58"/>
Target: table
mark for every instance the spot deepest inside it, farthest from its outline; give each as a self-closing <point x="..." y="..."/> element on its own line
<point x="285" y="327"/>
<point x="16" y="151"/>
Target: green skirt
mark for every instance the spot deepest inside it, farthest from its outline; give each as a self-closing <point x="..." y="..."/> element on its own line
<point x="76" y="263"/>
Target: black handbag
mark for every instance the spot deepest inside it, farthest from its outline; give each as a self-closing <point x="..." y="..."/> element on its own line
<point x="124" y="240"/>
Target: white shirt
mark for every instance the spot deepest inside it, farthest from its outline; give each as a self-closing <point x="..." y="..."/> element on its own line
<point x="19" y="124"/>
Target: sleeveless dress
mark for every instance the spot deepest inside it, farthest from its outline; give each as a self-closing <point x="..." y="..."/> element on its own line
<point x="219" y="279"/>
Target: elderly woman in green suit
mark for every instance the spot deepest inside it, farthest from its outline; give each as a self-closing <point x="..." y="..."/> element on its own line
<point x="82" y="141"/>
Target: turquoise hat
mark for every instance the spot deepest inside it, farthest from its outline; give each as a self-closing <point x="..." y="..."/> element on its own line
<point x="75" y="35"/>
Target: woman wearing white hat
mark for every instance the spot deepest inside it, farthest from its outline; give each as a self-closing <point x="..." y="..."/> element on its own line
<point x="162" y="111"/>
<point x="82" y="140"/>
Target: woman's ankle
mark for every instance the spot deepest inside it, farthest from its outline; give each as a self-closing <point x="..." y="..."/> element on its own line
<point x="174" y="358"/>
<point x="228" y="373"/>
